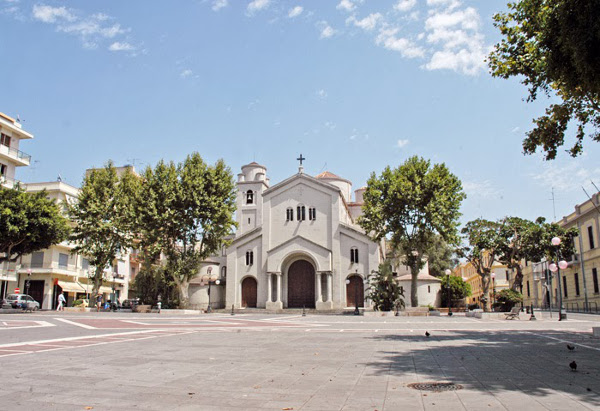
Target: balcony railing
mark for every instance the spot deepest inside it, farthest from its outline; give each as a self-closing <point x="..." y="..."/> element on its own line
<point x="53" y="265"/>
<point x="9" y="182"/>
<point x="14" y="153"/>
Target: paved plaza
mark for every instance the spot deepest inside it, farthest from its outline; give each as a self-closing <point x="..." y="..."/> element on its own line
<point x="116" y="361"/>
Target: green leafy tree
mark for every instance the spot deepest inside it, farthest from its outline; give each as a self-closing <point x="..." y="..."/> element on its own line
<point x="552" y="45"/>
<point x="515" y="246"/>
<point x="28" y="222"/>
<point x="458" y="289"/>
<point x="540" y="241"/>
<point x="384" y="290"/>
<point x="185" y="213"/>
<point x="484" y="238"/>
<point x="411" y="205"/>
<point x="507" y="299"/>
<point x="104" y="218"/>
<point x="153" y="281"/>
<point x="440" y="256"/>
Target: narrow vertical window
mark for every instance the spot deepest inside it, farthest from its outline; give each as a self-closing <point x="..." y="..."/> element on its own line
<point x="312" y="214"/>
<point x="249" y="257"/>
<point x="301" y="213"/>
<point x="576" y="278"/>
<point x="289" y="214"/>
<point x="250" y="197"/>
<point x="528" y="292"/>
<point x="591" y="237"/>
<point x="565" y="287"/>
<point x="595" y="280"/>
<point x="354" y="255"/>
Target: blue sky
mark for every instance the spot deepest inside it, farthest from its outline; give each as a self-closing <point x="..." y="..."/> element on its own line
<point x="352" y="85"/>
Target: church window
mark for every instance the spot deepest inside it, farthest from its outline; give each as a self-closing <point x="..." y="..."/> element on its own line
<point x="223" y="272"/>
<point x="249" y="257"/>
<point x="301" y="213"/>
<point x="354" y="255"/>
<point x="429" y="289"/>
<point x="209" y="270"/>
<point x="250" y="197"/>
<point x="289" y="214"/>
<point x="312" y="214"/>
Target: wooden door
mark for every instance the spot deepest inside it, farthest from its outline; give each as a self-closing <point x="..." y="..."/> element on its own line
<point x="36" y="290"/>
<point x="355" y="291"/>
<point x="301" y="285"/>
<point x="249" y="292"/>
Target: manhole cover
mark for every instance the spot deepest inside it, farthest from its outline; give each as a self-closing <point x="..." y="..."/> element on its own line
<point x="435" y="386"/>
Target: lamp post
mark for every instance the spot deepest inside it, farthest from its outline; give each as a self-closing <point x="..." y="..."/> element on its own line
<point x="562" y="314"/>
<point x="210" y="280"/>
<point x="448" y="272"/>
<point x="28" y="281"/>
<point x="114" y="293"/>
<point x="493" y="276"/>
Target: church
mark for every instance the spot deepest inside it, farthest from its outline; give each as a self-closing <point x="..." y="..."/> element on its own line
<point x="298" y="244"/>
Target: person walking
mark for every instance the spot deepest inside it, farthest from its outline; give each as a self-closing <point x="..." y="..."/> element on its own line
<point x="98" y="302"/>
<point x="61" y="302"/>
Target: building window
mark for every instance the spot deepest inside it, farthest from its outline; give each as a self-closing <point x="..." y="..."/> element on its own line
<point x="289" y="214"/>
<point x="595" y="280"/>
<point x="63" y="260"/>
<point x="576" y="278"/>
<point x="507" y="276"/>
<point x="209" y="270"/>
<point x="312" y="214"/>
<point x="3" y="169"/>
<point x="85" y="264"/>
<point x="591" y="237"/>
<point x="250" y="197"/>
<point x="354" y="255"/>
<point x="429" y="289"/>
<point x="249" y="257"/>
<point x="528" y="292"/>
<point x="301" y="213"/>
<point x="37" y="259"/>
<point x="4" y="140"/>
<point x="565" y="287"/>
<point x="223" y="272"/>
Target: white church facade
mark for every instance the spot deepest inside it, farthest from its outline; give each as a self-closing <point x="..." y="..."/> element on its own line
<point x="298" y="244"/>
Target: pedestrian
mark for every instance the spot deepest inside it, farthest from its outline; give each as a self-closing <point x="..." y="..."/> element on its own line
<point x="61" y="302"/>
<point x="98" y="301"/>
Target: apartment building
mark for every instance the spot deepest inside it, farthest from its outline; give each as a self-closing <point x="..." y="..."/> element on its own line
<point x="11" y="157"/>
<point x="501" y="278"/>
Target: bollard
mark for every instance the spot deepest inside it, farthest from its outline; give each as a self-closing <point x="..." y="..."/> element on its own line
<point x="532" y="318"/>
<point x="303" y="311"/>
<point x="159" y="306"/>
<point x="232" y="313"/>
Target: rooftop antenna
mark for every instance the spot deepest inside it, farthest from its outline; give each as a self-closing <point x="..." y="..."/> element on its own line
<point x="586" y="193"/>
<point x="595" y="186"/>
<point x="324" y="167"/>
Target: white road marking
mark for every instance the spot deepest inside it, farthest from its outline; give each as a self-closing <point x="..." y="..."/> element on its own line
<point x="38" y="324"/>
<point x="563" y="341"/>
<point x="87" y="327"/>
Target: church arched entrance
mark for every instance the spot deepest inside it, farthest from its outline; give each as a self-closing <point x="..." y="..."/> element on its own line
<point x="301" y="285"/>
<point x="355" y="290"/>
<point x="249" y="292"/>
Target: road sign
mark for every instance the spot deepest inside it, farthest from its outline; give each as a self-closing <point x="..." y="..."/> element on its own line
<point x="17" y="290"/>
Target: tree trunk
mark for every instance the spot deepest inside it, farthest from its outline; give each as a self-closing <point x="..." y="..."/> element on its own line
<point x="414" y="298"/>
<point x="485" y="282"/>
<point x="518" y="283"/>
<point x="183" y="293"/>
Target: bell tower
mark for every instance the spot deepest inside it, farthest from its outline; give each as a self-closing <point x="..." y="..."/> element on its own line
<point x="252" y="182"/>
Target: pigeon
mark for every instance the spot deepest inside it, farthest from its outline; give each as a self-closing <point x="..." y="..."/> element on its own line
<point x="427" y="334"/>
<point x="570" y="347"/>
<point x="573" y="366"/>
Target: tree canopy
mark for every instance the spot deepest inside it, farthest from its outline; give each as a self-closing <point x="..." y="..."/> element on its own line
<point x="455" y="288"/>
<point x="552" y="45"/>
<point x="104" y="218"/>
<point x="185" y="212"/>
<point x="410" y="205"/>
<point x="384" y="290"/>
<point x="29" y="222"/>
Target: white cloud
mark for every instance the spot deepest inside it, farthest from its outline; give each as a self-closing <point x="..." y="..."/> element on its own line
<point x="322" y="94"/>
<point x="295" y="12"/>
<point x="186" y="73"/>
<point x="405" y="5"/>
<point x="368" y="23"/>
<point x="467" y="19"/>
<point x="118" y="46"/>
<point x="346" y="5"/>
<point x="516" y="129"/>
<point x="450" y="4"/>
<point x="567" y="178"/>
<point x="219" y="4"/>
<point x="91" y="29"/>
<point x="407" y="48"/>
<point x="49" y="14"/>
<point x="481" y="189"/>
<point x="257" y="5"/>
<point x="402" y="143"/>
<point x="326" y="30"/>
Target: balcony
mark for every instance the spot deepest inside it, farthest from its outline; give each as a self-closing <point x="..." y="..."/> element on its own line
<point x="16" y="156"/>
<point x="53" y="267"/>
<point x="9" y="182"/>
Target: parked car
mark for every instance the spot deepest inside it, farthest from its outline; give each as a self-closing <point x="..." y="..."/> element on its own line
<point x="129" y="303"/>
<point x="23" y="301"/>
<point x="5" y="304"/>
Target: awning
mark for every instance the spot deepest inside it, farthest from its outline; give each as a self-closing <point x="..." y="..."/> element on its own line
<point x="70" y="286"/>
<point x="104" y="290"/>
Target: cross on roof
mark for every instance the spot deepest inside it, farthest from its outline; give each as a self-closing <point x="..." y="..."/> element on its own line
<point x="300" y="159"/>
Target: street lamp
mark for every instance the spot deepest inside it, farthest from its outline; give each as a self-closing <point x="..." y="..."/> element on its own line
<point x="562" y="314"/>
<point x="28" y="281"/>
<point x="210" y="280"/>
<point x="493" y="276"/>
<point x="448" y="272"/>
<point x="114" y="296"/>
